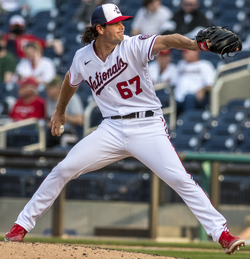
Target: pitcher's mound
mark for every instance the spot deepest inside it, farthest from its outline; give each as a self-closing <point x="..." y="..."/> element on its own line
<point x="61" y="251"/>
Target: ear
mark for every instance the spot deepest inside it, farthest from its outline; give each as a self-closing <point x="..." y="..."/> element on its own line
<point x="99" y="28"/>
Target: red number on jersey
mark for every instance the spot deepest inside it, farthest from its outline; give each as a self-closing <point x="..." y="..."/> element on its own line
<point x="126" y="92"/>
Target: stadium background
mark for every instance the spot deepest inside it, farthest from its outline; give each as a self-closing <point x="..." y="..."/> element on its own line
<point x="122" y="197"/>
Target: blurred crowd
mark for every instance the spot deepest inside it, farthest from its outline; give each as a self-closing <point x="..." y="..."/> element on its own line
<point x="35" y="81"/>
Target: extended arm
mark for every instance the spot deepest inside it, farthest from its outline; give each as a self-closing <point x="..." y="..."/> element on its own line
<point x="176" y="41"/>
<point x="58" y="117"/>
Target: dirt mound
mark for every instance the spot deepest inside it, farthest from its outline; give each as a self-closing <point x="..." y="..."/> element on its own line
<point x="62" y="251"/>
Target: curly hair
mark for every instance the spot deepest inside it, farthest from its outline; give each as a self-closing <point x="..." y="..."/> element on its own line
<point x="90" y="34"/>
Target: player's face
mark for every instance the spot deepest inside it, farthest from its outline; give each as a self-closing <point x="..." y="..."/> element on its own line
<point x="114" y="32"/>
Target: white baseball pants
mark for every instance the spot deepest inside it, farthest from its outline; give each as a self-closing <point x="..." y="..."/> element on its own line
<point x="145" y="139"/>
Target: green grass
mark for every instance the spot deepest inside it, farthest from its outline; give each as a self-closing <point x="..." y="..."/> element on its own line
<point x="159" y="247"/>
<point x="192" y="255"/>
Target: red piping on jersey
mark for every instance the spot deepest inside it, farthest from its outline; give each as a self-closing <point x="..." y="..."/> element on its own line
<point x="70" y="78"/>
<point x="149" y="51"/>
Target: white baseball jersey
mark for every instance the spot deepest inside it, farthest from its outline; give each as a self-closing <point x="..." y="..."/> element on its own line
<point x="121" y="85"/>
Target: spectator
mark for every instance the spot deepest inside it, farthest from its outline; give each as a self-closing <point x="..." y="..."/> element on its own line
<point x="29" y="104"/>
<point x="35" y="65"/>
<point x="84" y="12"/>
<point x="74" y="111"/>
<point x="7" y="62"/>
<point x="151" y="19"/>
<point x="193" y="83"/>
<point x="162" y="70"/>
<point x="189" y="20"/>
<point x="17" y="38"/>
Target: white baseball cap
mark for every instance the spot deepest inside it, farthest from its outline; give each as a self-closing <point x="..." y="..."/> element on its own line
<point x="108" y="13"/>
<point x="17" y="19"/>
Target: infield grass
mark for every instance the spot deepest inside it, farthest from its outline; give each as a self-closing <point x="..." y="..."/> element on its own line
<point x="206" y="250"/>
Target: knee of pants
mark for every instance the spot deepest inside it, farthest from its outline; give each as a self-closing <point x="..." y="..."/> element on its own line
<point x="65" y="170"/>
<point x="180" y="181"/>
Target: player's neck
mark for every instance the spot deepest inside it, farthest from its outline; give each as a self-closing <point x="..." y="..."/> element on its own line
<point x="103" y="49"/>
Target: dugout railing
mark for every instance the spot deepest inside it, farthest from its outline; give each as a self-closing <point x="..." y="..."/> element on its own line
<point x="232" y="82"/>
<point x="8" y="125"/>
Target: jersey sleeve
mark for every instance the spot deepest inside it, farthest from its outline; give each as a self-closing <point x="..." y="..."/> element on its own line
<point x="75" y="77"/>
<point x="141" y="46"/>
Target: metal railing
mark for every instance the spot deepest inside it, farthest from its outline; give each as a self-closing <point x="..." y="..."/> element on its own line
<point x="10" y="125"/>
<point x="171" y="110"/>
<point x="231" y="82"/>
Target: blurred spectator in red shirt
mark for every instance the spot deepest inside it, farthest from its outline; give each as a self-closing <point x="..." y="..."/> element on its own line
<point x="29" y="104"/>
<point x="17" y="38"/>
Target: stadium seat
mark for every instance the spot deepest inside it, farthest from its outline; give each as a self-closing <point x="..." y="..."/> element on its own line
<point x="163" y="96"/>
<point x="231" y="129"/>
<point x="215" y="59"/>
<point x="194" y="116"/>
<point x="229" y="116"/>
<point x="85" y="93"/>
<point x="96" y="117"/>
<point x="191" y="129"/>
<point x="219" y="144"/>
<point x="42" y="16"/>
<point x="22" y="136"/>
<point x="238" y="105"/>
<point x="243" y="147"/>
<point x="184" y="143"/>
<point x="243" y="136"/>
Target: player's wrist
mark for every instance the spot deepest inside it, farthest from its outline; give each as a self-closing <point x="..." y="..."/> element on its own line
<point x="203" y="46"/>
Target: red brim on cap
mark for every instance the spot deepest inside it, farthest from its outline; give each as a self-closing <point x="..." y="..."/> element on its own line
<point x="120" y="18"/>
